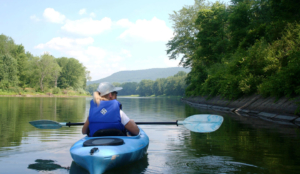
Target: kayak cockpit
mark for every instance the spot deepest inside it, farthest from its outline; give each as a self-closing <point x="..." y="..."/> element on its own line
<point x="103" y="142"/>
<point x="98" y="154"/>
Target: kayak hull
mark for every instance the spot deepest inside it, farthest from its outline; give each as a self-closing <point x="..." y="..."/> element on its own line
<point x="107" y="157"/>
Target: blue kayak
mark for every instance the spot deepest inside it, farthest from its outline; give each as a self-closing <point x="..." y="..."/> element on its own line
<point x="98" y="154"/>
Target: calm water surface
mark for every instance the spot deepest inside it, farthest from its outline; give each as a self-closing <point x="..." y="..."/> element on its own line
<point x="241" y="145"/>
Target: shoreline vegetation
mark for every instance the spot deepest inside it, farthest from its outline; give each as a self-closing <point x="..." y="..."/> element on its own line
<point x="170" y="86"/>
<point x="54" y="92"/>
<point x="37" y="94"/>
<point x="22" y="73"/>
<point x="43" y="95"/>
<point x="244" y="48"/>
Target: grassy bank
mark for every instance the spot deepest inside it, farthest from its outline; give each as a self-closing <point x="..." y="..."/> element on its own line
<point x="54" y="92"/>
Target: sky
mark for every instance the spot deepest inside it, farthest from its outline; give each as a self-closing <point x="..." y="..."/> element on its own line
<point x="105" y="36"/>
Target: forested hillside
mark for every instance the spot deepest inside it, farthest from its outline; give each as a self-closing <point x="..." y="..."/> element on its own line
<point x="139" y="75"/>
<point x="242" y="48"/>
<point x="20" y="71"/>
<point x="170" y="86"/>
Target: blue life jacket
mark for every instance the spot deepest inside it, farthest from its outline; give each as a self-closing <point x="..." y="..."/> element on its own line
<point x="105" y="116"/>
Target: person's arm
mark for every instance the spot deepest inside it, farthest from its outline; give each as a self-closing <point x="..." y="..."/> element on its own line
<point x="132" y="127"/>
<point x="129" y="124"/>
<point x="85" y="126"/>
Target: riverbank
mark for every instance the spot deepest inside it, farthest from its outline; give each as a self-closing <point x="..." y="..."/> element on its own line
<point x="45" y="95"/>
<point x="78" y="95"/>
<point x="30" y="92"/>
<point x="269" y="108"/>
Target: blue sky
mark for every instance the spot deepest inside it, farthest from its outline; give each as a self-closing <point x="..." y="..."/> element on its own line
<point x="105" y="36"/>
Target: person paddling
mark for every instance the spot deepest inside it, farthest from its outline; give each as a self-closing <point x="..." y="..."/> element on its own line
<point x="106" y="116"/>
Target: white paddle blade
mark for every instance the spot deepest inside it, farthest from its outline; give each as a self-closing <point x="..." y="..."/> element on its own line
<point x="46" y="124"/>
<point x="202" y="123"/>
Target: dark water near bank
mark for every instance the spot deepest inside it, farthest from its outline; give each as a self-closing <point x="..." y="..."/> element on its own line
<point x="241" y="145"/>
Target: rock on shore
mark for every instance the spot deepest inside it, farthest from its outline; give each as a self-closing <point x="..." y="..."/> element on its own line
<point x="270" y="108"/>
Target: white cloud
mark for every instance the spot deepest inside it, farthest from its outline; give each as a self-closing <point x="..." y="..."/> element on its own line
<point x="92" y="57"/>
<point x="53" y="16"/>
<point x="93" y="15"/>
<point x="153" y="30"/>
<point x="77" y="53"/>
<point x="116" y="58"/>
<point x="110" y="63"/>
<point x="96" y="52"/>
<point x="84" y="41"/>
<point x="87" y="26"/>
<point x="34" y="18"/>
<point x="124" y="23"/>
<point x="126" y="53"/>
<point x="82" y="11"/>
<point x="59" y="43"/>
<point x="114" y="65"/>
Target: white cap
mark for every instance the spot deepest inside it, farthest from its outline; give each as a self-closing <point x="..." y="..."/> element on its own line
<point x="106" y="88"/>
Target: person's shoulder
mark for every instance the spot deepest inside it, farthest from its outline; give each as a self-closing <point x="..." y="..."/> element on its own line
<point x="93" y="103"/>
<point x="116" y="102"/>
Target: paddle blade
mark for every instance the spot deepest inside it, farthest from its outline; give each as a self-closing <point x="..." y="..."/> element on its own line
<point x="46" y="124"/>
<point x="202" y="123"/>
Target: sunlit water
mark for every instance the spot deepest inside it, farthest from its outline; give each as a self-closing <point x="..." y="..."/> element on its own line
<point x="241" y="145"/>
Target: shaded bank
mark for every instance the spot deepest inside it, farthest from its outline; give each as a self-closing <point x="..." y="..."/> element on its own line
<point x="283" y="109"/>
<point x="44" y="95"/>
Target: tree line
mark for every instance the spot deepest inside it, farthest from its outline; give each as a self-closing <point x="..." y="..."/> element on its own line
<point x="170" y="86"/>
<point x="246" y="47"/>
<point x="20" y="70"/>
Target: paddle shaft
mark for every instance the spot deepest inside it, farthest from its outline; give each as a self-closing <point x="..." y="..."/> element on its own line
<point x="156" y="122"/>
<point x="165" y="123"/>
<point x="201" y="123"/>
<point x="74" y="124"/>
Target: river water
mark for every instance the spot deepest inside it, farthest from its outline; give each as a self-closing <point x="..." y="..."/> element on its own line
<point x="241" y="145"/>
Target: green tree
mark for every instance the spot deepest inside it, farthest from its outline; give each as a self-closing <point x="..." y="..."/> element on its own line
<point x="247" y="47"/>
<point x="239" y="19"/>
<point x="7" y="44"/>
<point x="129" y="88"/>
<point x="116" y="84"/>
<point x="87" y="78"/>
<point x="62" y="81"/>
<point x="159" y="86"/>
<point x="32" y="72"/>
<point x="56" y="74"/>
<point x="19" y="54"/>
<point x="145" y="88"/>
<point x="92" y="88"/>
<point x="46" y="69"/>
<point x="180" y="74"/>
<point x="8" y="71"/>
<point x="73" y="73"/>
<point x="175" y="85"/>
<point x="212" y="37"/>
<point x="184" y="43"/>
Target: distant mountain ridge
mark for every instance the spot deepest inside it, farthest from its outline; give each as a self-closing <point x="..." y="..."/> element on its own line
<point x="138" y="75"/>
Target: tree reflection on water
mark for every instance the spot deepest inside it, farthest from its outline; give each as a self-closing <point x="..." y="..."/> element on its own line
<point x="46" y="165"/>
